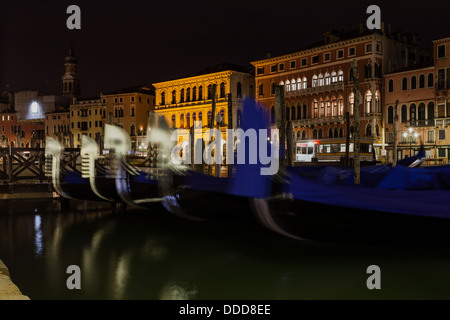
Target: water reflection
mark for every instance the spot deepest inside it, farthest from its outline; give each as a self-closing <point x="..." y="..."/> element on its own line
<point x="140" y="255"/>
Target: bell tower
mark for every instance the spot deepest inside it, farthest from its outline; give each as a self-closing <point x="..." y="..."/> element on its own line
<point x="71" y="79"/>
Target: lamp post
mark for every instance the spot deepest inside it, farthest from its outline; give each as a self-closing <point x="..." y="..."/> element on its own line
<point x="411" y="133"/>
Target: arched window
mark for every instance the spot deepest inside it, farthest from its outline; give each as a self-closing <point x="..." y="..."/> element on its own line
<point x="272" y="114"/>
<point x="288" y="86"/>
<point x="341" y="132"/>
<point x="368" y="102"/>
<point x="334" y="107"/>
<point x="222" y="90"/>
<point x="430" y="80"/>
<point x="390" y="116"/>
<point x="194" y="117"/>
<point x="377" y="130"/>
<point x="351" y="101"/>
<point x="430" y="113"/>
<point x="288" y="112"/>
<point x="336" y="133"/>
<point x="293" y="112"/>
<point x="222" y="115"/>
<point x="422" y="81"/>
<point x="340" y="76"/>
<point x="174" y="96"/>
<point x="188" y="94"/>
<point x="377" y="102"/>
<point x="327" y="78"/>
<point x="330" y="133"/>
<point x="299" y="84"/>
<point x="181" y="95"/>
<point x="315" y="108"/>
<point x="315" y="134"/>
<point x="341" y="106"/>
<point x="194" y="94"/>
<point x="350" y="74"/>
<point x="163" y="98"/>
<point x="333" y="77"/>
<point x="404" y="84"/>
<point x="210" y="91"/>
<point x="369" y="130"/>
<point x="272" y="88"/>
<point x="404" y="113"/>
<point x="260" y="89"/>
<point x="239" y="119"/>
<point x="200" y="117"/>
<point x="200" y="93"/>
<point x="299" y="135"/>
<point x="182" y="121"/>
<point x="321" y="108"/>
<point x="314" y="81"/>
<point x="391" y="85"/>
<point x="352" y="131"/>
<point x="304" y="135"/>
<point x="412" y="113"/>
<point x="299" y="111"/>
<point x="328" y="107"/>
<point x="305" y="83"/>
<point x="293" y="85"/>
<point x="239" y="90"/>
<point x="320" y="134"/>
<point x="320" y="80"/>
<point x="173" y="121"/>
<point x="188" y="120"/>
<point x="413" y="82"/>
<point x="305" y="110"/>
<point x="421" y="113"/>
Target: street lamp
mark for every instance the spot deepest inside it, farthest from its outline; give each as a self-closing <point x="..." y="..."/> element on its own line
<point x="411" y="134"/>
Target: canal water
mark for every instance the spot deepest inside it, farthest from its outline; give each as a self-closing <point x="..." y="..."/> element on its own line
<point x="133" y="254"/>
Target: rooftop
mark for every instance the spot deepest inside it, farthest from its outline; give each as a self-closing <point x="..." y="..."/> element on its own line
<point x="136" y="89"/>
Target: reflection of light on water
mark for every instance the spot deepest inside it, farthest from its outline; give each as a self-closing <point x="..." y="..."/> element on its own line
<point x="121" y="275"/>
<point x="178" y="291"/>
<point x="38" y="235"/>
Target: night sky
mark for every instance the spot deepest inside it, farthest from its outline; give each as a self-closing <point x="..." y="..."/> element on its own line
<point x="135" y="42"/>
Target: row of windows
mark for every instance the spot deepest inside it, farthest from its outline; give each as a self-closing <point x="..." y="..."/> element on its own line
<point x="186" y="123"/>
<point x="416" y="113"/>
<point x="326" y="57"/>
<point x="7" y="118"/>
<point x="187" y="95"/>
<point x="336" y="133"/>
<point x="413" y="82"/>
<point x="120" y="100"/>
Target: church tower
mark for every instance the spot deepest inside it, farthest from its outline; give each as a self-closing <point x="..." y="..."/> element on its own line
<point x="71" y="79"/>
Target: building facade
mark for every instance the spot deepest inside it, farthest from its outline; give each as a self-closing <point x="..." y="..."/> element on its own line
<point x="423" y="107"/>
<point x="188" y="99"/>
<point x="57" y="126"/>
<point x="129" y="108"/>
<point x="319" y="85"/>
<point x="86" y="117"/>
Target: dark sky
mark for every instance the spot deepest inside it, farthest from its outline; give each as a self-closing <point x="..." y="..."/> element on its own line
<point x="136" y="42"/>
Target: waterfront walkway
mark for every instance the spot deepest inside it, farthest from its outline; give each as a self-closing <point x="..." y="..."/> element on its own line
<point x="8" y="290"/>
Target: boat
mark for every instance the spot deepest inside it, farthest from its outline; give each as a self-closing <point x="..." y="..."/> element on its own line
<point x="67" y="183"/>
<point x="406" y="203"/>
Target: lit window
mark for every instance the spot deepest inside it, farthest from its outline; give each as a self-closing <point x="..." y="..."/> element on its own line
<point x="34" y="107"/>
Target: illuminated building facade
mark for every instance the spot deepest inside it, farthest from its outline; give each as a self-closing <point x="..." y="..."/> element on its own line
<point x="129" y="108"/>
<point x="86" y="118"/>
<point x="188" y="99"/>
<point x="319" y="86"/>
<point x="423" y="106"/>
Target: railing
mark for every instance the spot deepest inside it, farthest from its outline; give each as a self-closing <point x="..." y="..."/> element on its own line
<point x="330" y="87"/>
<point x="442" y="122"/>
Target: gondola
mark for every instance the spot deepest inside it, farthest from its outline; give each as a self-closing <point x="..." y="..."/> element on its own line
<point x="68" y="184"/>
<point x="405" y="203"/>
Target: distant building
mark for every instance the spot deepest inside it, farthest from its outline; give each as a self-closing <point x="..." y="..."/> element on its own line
<point x="422" y="92"/>
<point x="86" y="118"/>
<point x="129" y="108"/>
<point x="57" y="125"/>
<point x="71" y="78"/>
<point x="319" y="86"/>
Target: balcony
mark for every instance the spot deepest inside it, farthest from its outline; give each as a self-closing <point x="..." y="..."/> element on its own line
<point x="326" y="88"/>
<point x="442" y="122"/>
<point x="317" y="121"/>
